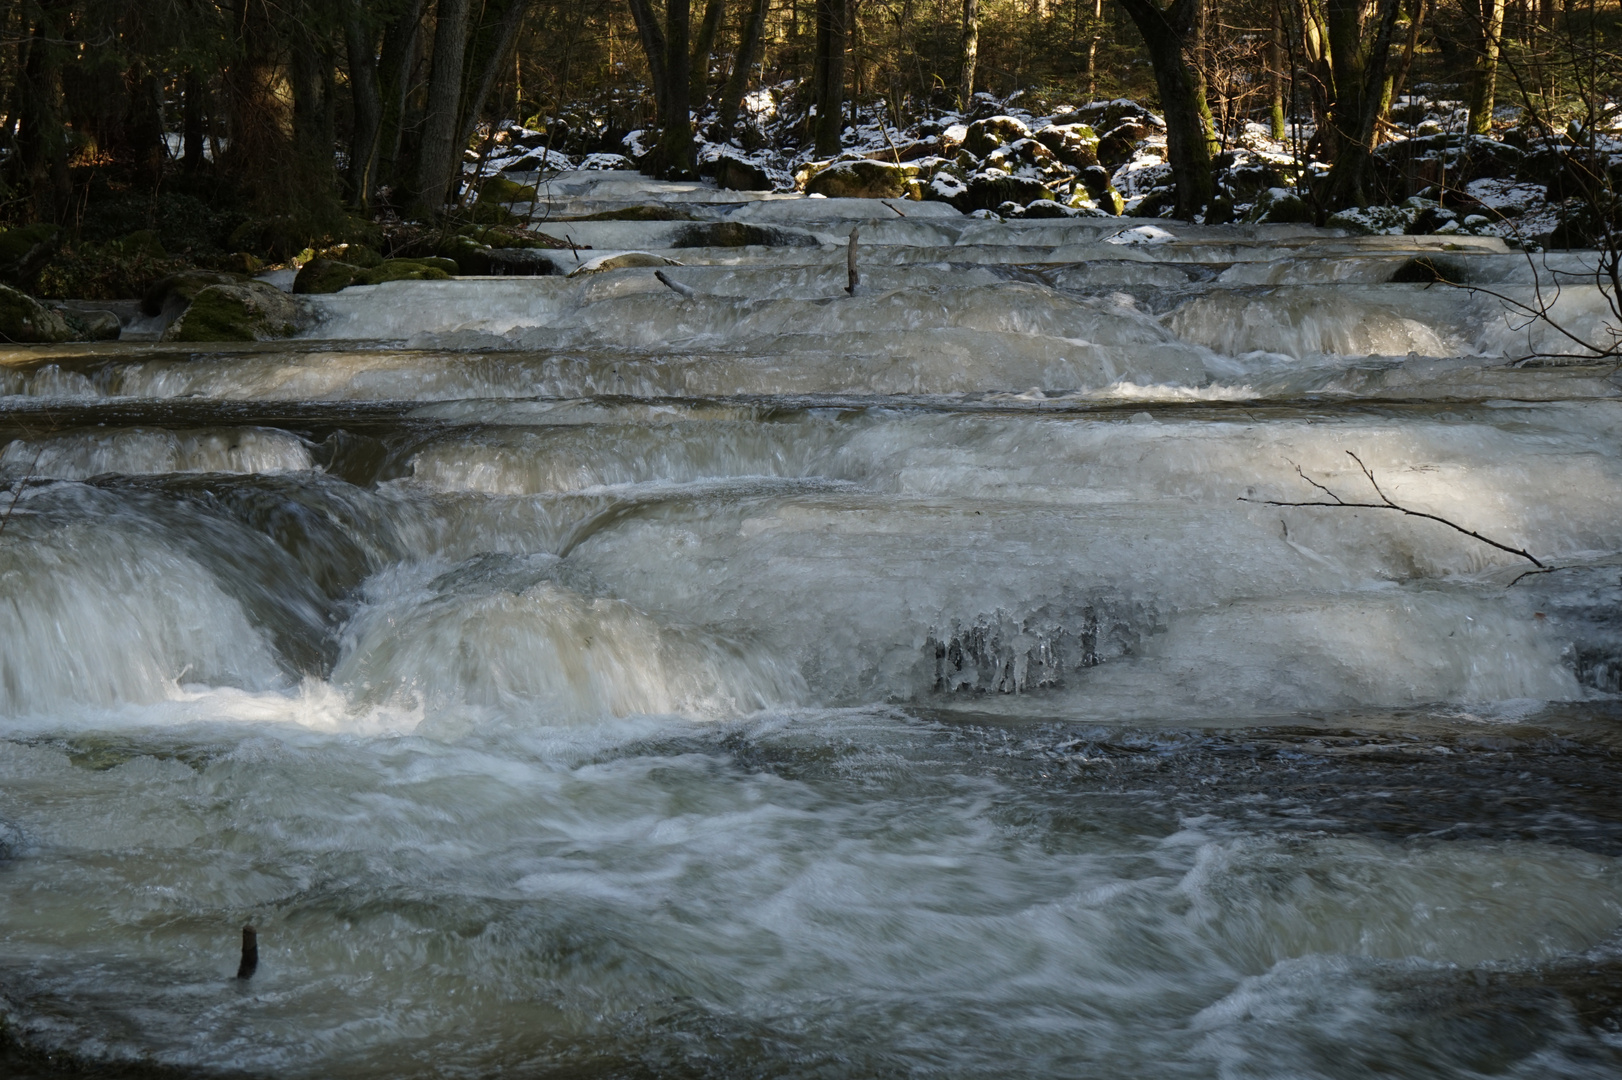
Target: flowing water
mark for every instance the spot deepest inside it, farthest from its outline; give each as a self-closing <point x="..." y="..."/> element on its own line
<point x="571" y="678"/>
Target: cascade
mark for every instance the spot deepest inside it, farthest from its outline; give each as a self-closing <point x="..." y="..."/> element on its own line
<point x="568" y="674"/>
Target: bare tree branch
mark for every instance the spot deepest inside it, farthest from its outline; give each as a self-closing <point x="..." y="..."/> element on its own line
<point x="1387" y="503"/>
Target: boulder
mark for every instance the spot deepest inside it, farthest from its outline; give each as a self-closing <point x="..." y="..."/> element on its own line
<point x="498" y="190"/>
<point x="1074" y="145"/>
<point x="989" y="190"/>
<point x="430" y="268"/>
<point x="171" y="295"/>
<point x="90" y="324"/>
<point x="861" y="180"/>
<point x="735" y="174"/>
<point x="26" y="321"/>
<point x="1115" y="146"/>
<point x="1096" y="182"/>
<point x="986" y="135"/>
<point x="325" y="276"/>
<point x="249" y="311"/>
<point x="25" y="251"/>
<point x="1277" y="206"/>
<point x="507" y="262"/>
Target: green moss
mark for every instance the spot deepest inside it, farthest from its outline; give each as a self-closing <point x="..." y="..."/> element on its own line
<point x="25" y="320"/>
<point x="215" y="315"/>
<point x="429" y="269"/>
<point x="325" y="276"/>
<point x="498" y="189"/>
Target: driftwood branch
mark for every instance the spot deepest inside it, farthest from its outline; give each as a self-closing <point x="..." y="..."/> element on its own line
<point x="1387" y="503"/>
<point x="684" y="291"/>
<point x="850" y="261"/>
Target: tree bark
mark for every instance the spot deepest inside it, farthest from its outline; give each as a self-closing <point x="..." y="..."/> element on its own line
<point x="676" y="139"/>
<point x="368" y="106"/>
<point x="652" y="37"/>
<point x="1275" y="75"/>
<point x="1170" y="37"/>
<point x="260" y="123"/>
<point x="1484" y="79"/>
<point x="703" y="46"/>
<point x="831" y="29"/>
<point x="496" y="49"/>
<point x="969" y="53"/>
<point x="41" y="138"/>
<point x="750" y="39"/>
<point x="395" y="64"/>
<point x="439" y="158"/>
<point x="192" y="124"/>
<point x="1361" y="94"/>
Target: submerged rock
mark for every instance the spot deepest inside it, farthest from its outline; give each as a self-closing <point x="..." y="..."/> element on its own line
<point x="731" y="234"/>
<point x="249" y="311"/>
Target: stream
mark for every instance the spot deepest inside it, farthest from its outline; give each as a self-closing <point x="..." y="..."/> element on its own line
<point x="568" y="677"/>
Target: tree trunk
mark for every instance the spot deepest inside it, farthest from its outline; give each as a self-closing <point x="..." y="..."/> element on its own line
<point x="1275" y="75"/>
<point x="1361" y="91"/>
<point x="676" y="138"/>
<point x="494" y="49"/>
<point x="969" y="54"/>
<point x="439" y="158"/>
<point x="261" y="127"/>
<point x="1169" y="34"/>
<point x="192" y="127"/>
<point x="654" y="48"/>
<point x="394" y="67"/>
<point x="368" y="106"/>
<point x="750" y="39"/>
<point x="831" y="29"/>
<point x="41" y="138"/>
<point x="703" y="46"/>
<point x="1484" y="80"/>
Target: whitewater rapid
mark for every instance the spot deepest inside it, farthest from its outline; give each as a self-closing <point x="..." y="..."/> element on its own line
<point x="566" y="675"/>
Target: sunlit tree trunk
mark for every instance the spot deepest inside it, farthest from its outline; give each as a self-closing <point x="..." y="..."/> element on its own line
<point x="831" y="31"/>
<point x="752" y="36"/>
<point x="1171" y="39"/>
<point x="703" y="46"/>
<point x="1484" y="79"/>
<point x="970" y="52"/>
<point x="1359" y="63"/>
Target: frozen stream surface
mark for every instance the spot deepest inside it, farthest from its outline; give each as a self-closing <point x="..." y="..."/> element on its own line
<point x="572" y="678"/>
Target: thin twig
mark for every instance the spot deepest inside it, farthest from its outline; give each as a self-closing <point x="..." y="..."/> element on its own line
<point x="1386" y="503"/>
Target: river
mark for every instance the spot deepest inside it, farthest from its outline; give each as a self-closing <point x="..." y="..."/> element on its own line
<point x="567" y="676"/>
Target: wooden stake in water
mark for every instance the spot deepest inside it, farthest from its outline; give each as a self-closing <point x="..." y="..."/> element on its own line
<point x="250" y="953"/>
<point x="850" y="261"/>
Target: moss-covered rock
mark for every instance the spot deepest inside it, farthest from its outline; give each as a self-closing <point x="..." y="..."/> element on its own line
<point x="986" y="135"/>
<point x="1074" y="145"/>
<point x="89" y="325"/>
<point x="170" y="295"/>
<point x="1279" y="206"/>
<point x="500" y="190"/>
<point x="25" y="251"/>
<point x="26" y="321"/>
<point x="643" y="212"/>
<point x="426" y="269"/>
<point x="990" y="189"/>
<point x="861" y="180"/>
<point x="325" y="276"/>
<point x="250" y="311"/>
